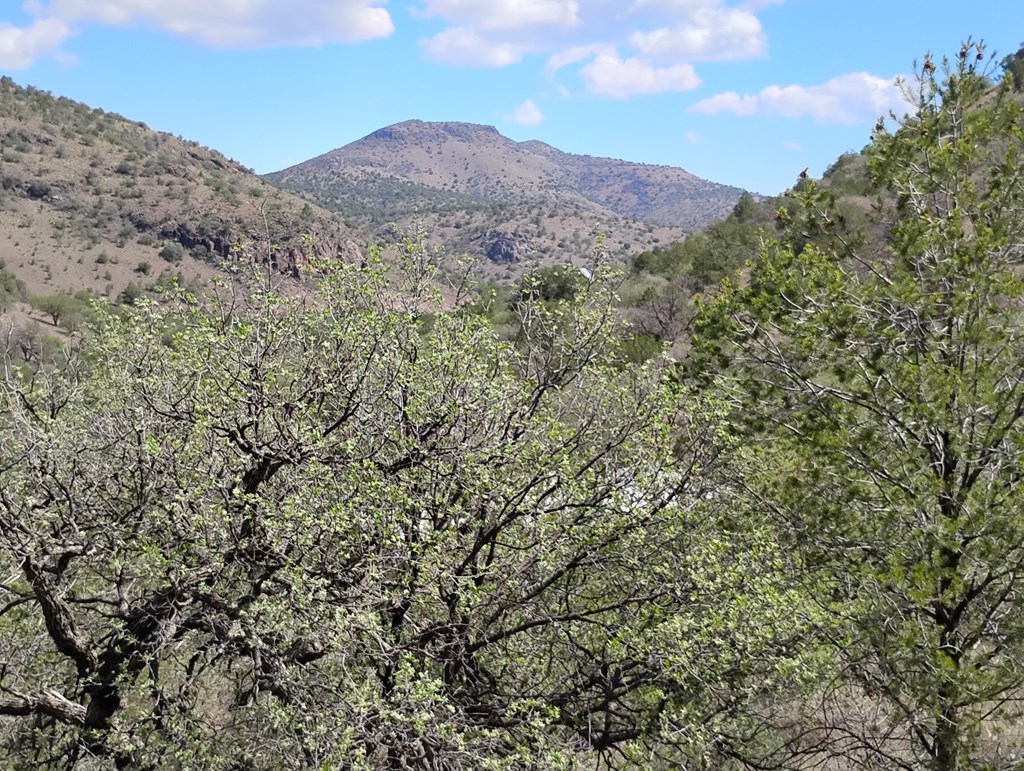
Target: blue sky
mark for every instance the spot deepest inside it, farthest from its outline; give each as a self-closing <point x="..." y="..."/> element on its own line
<point x="746" y="92"/>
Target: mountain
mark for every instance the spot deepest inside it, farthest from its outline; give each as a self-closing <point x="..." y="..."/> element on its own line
<point x="476" y="190"/>
<point x="93" y="201"/>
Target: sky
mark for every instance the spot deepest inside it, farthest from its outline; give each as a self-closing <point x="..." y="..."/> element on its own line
<point x="742" y="92"/>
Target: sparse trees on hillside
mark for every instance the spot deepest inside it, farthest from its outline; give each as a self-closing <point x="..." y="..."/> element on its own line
<point x="662" y="306"/>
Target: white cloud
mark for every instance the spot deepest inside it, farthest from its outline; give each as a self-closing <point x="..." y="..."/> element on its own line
<point x="616" y="48"/>
<point x="526" y="114"/>
<point x="728" y="101"/>
<point x="20" y="46"/>
<point x="693" y="137"/>
<point x="231" y="23"/>
<point x="608" y="75"/>
<point x="609" y="43"/>
<point x="793" y="145"/>
<point x="463" y="46"/>
<point x="711" y="33"/>
<point x="504" y="14"/>
<point x="851" y="98"/>
<point x="574" y="55"/>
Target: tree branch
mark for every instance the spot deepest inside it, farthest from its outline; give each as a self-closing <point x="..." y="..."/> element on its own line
<point x="60" y="622"/>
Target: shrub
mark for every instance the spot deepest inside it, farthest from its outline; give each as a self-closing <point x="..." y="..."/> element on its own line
<point x="172" y="253"/>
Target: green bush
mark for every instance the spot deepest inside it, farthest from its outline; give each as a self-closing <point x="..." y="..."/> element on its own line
<point x="12" y="289"/>
<point x="172" y="253"/>
<point x="130" y="294"/>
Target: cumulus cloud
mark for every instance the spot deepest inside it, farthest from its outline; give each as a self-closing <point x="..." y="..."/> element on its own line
<point x="20" y="46"/>
<point x="617" y="49"/>
<point x="463" y="46"/>
<point x="603" y="40"/>
<point x="709" y="33"/>
<point x="608" y="75"/>
<point x="658" y="41"/>
<point x="234" y="24"/>
<point x="526" y="114"/>
<point x="851" y="98"/>
<point x="504" y="14"/>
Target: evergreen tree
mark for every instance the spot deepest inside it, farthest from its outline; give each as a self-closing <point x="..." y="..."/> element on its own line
<point x="884" y="393"/>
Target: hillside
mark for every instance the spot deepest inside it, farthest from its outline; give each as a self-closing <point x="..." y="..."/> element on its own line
<point x="92" y="201"/>
<point x="476" y="190"/>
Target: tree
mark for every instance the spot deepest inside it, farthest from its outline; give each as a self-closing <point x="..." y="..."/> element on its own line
<point x="1013" y="65"/>
<point x="746" y="209"/>
<point x="661" y="308"/>
<point x="323" y="533"/>
<point x="886" y="393"/>
<point x="130" y="294"/>
<point x="63" y="309"/>
<point x="12" y="289"/>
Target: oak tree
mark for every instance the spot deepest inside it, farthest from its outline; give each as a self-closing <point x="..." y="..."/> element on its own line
<point x="365" y="530"/>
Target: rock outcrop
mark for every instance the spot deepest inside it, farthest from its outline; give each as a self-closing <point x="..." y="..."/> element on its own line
<point x="506" y="248"/>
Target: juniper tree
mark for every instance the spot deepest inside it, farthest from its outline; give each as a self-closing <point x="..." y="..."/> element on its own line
<point x="884" y="389"/>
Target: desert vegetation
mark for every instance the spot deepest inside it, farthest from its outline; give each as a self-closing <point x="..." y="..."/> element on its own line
<point x="751" y="501"/>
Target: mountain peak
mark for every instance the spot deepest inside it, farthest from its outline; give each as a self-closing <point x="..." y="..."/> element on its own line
<point x="436" y="131"/>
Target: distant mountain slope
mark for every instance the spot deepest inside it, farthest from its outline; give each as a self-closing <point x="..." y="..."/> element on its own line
<point x="475" y="160"/>
<point x="90" y="200"/>
<point x="496" y="185"/>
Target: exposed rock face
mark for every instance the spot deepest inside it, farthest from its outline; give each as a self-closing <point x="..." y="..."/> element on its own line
<point x="22" y="134"/>
<point x="293" y="258"/>
<point x="507" y="247"/>
<point x="35" y="189"/>
<point x="221" y="242"/>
